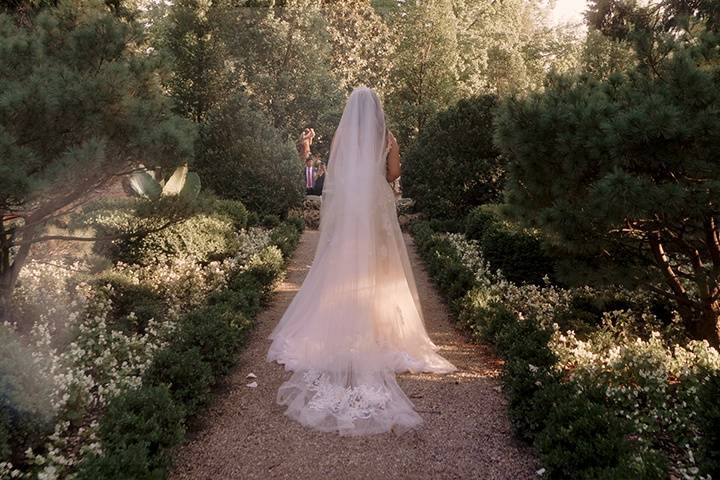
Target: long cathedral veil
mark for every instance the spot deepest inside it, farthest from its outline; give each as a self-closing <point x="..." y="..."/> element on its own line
<point x="357" y="318"/>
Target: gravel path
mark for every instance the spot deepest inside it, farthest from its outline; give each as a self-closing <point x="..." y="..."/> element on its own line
<point x="244" y="434"/>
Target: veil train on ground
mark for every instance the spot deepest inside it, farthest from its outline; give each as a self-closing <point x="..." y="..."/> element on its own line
<point x="356" y="320"/>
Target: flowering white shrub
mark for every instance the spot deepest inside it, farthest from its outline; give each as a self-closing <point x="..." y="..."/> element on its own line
<point x="86" y="360"/>
<point x="649" y="372"/>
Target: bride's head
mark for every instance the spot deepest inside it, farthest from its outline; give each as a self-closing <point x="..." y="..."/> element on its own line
<point x="363" y="117"/>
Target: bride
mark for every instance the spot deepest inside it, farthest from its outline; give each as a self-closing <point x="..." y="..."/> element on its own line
<point x="356" y="320"/>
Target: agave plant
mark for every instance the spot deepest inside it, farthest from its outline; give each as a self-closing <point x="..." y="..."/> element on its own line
<point x="149" y="184"/>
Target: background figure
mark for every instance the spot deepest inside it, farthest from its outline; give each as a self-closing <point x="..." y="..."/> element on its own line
<point x="319" y="180"/>
<point x="309" y="176"/>
<point x="306" y="139"/>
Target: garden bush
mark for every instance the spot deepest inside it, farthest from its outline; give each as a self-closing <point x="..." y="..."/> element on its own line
<point x="133" y="462"/>
<point x="206" y="230"/>
<point x="628" y="396"/>
<point x="517" y="252"/>
<point x="101" y="334"/>
<point x="216" y="331"/>
<point x="185" y="373"/>
<point x="581" y="438"/>
<point x="138" y="429"/>
<point x="708" y="409"/>
<point x="270" y="220"/>
<point x="134" y="304"/>
<point x="242" y="156"/>
<point x="266" y="267"/>
<point x="286" y="237"/>
<point x="206" y="237"/>
<point x="297" y="222"/>
<point x="26" y="412"/>
<point x="234" y="210"/>
<point x="453" y="165"/>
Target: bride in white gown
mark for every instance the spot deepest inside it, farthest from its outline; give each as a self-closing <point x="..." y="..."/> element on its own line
<point x="357" y="319"/>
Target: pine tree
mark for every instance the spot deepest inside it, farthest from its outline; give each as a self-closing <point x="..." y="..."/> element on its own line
<point x="81" y="106"/>
<point x="622" y="174"/>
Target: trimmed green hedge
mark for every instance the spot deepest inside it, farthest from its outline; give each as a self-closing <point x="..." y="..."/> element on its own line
<point x="518" y="253"/>
<point x="576" y="435"/>
<point x="141" y="426"/>
<point x="453" y="165"/>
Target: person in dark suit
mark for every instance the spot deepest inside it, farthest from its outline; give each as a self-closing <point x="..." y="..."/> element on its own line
<point x="319" y="180"/>
<point x="309" y="176"/>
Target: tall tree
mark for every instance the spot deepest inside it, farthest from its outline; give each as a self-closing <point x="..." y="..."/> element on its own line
<point x="81" y="106"/>
<point x="190" y="33"/>
<point x="361" y="44"/>
<point x="281" y="56"/>
<point x="654" y="28"/>
<point x="507" y="46"/>
<point x="424" y="76"/>
<point x="622" y="174"/>
<point x="603" y="55"/>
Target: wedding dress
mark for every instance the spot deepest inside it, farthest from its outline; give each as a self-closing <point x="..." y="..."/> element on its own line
<point x="356" y="319"/>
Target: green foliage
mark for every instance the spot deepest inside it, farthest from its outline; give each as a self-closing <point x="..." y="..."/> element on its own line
<point x="285" y="237"/>
<point x="293" y="65"/>
<point x="451" y="276"/>
<point x="133" y="304"/>
<point x="243" y="157"/>
<point x="205" y="236"/>
<point x="26" y="413"/>
<point x="297" y="222"/>
<point x="134" y="461"/>
<point x="361" y="44"/>
<point x="190" y="33"/>
<point x="583" y="439"/>
<point x="709" y="421"/>
<point x="528" y="371"/>
<point x="81" y="105"/>
<point x="5" y="447"/>
<point x="621" y="175"/>
<point x="508" y="47"/>
<point x="139" y="428"/>
<point x="602" y="56"/>
<point x="453" y="166"/>
<point x="266" y="267"/>
<point x="216" y="331"/>
<point x="483" y="315"/>
<point x="424" y="80"/>
<point x="233" y="209"/>
<point x="518" y="253"/>
<point x="653" y="29"/>
<point x="185" y="373"/>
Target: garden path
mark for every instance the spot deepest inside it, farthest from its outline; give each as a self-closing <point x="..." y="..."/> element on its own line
<point x="244" y="434"/>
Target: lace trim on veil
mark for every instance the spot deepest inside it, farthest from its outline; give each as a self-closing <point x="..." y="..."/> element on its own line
<point x="349" y="403"/>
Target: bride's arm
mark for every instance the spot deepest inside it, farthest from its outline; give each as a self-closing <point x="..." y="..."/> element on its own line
<point x="393" y="159"/>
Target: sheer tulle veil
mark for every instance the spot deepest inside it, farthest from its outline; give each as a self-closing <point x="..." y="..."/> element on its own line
<point x="357" y="318"/>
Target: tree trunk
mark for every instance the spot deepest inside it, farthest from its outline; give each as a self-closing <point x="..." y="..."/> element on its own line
<point x="9" y="276"/>
<point x="707" y="326"/>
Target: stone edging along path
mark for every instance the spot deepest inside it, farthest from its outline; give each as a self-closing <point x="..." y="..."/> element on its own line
<point x="244" y="435"/>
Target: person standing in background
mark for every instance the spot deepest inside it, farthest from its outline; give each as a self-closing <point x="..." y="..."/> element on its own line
<point x="319" y="180"/>
<point x="309" y="176"/>
<point x="306" y="139"/>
